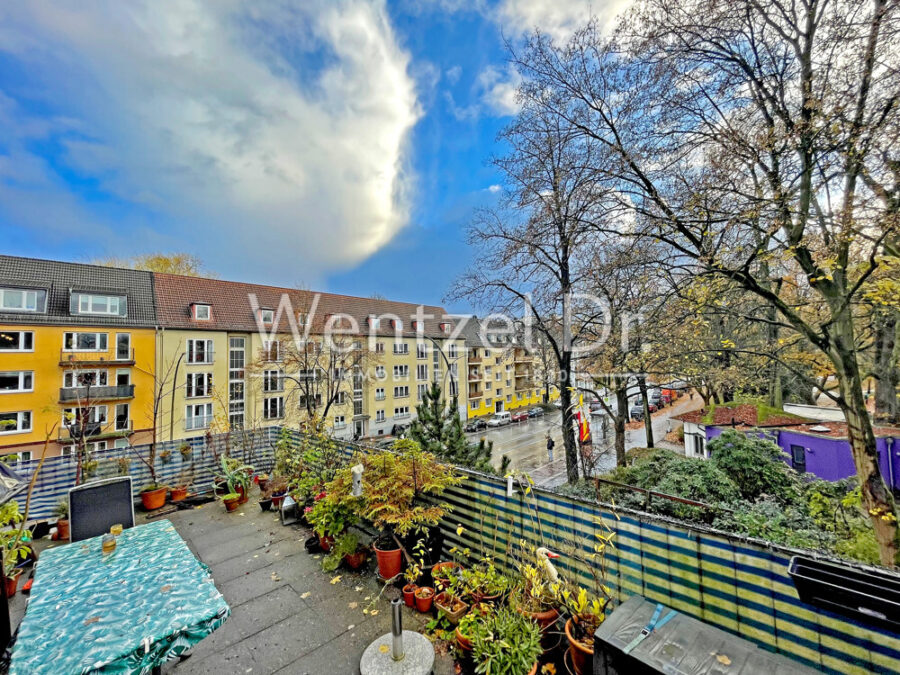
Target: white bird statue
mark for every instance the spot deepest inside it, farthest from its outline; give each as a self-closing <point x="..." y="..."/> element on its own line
<point x="544" y="556"/>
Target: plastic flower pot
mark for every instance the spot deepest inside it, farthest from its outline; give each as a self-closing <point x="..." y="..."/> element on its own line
<point x="424" y="598"/>
<point x="389" y="562"/>
<point x="409" y="595"/>
<point x="179" y="494"/>
<point x="356" y="560"/>
<point x="62" y="528"/>
<point x="452" y="608"/>
<point x="465" y="644"/>
<point x="12" y="582"/>
<point x="582" y="657"/>
<point x="265" y="504"/>
<point x="154" y="499"/>
<point x="276" y="501"/>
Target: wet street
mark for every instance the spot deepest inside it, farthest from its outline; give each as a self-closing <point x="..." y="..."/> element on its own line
<point x="525" y="443"/>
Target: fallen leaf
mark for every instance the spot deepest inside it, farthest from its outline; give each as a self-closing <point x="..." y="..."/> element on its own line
<point x="724" y="660"/>
<point x="304" y="595"/>
<point x="351" y="626"/>
<point x="358" y="589"/>
<point x="384" y="649"/>
<point x="275" y="577"/>
<point x="374" y="612"/>
<point x="336" y="580"/>
<point x="353" y="605"/>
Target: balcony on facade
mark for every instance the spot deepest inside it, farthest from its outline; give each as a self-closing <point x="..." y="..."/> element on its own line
<point x="86" y="394"/>
<point x="96" y="431"/>
<point x="474" y="392"/>
<point x="474" y="358"/>
<point x="521" y="356"/>
<point x="80" y="359"/>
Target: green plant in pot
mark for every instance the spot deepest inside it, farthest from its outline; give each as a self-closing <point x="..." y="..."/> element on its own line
<point x="505" y="643"/>
<point x="61" y="511"/>
<point x="394" y="485"/>
<point x="586" y="612"/>
<point x="15" y="548"/>
<point x="153" y="496"/>
<point x="235" y="476"/>
<point x="330" y="516"/>
<point x="346" y="547"/>
<point x="483" y="582"/>
<point x="231" y="500"/>
<point x="536" y="596"/>
<point x="185" y="450"/>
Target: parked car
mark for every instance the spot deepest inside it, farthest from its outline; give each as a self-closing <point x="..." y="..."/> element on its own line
<point x="520" y="417"/>
<point x="475" y="425"/>
<point x="655" y="397"/>
<point x="500" y="419"/>
<point x="636" y="412"/>
<point x="536" y="412"/>
<point x="666" y="400"/>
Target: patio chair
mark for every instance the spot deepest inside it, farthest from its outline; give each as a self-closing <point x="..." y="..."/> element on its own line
<point x="95" y="507"/>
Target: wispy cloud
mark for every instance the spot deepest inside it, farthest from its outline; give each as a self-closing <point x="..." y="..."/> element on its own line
<point x="259" y="135"/>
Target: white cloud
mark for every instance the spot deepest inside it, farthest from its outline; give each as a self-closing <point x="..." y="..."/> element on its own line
<point x="453" y="74"/>
<point x="494" y="188"/>
<point x="557" y="18"/>
<point x="499" y="89"/>
<point x="258" y="135"/>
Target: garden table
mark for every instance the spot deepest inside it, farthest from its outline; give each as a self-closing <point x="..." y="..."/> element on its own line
<point x="129" y="611"/>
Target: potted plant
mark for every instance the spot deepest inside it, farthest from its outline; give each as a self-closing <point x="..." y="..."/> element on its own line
<point x="424" y="597"/>
<point x="89" y="468"/>
<point x="346" y="547"/>
<point x="443" y="574"/>
<point x="536" y="598"/>
<point x="15" y="549"/>
<point x="123" y="466"/>
<point x="263" y="481"/>
<point x="276" y="489"/>
<point x="586" y="613"/>
<point x="233" y="477"/>
<point x="180" y="491"/>
<point x="185" y="450"/>
<point x="505" y="643"/>
<point x="483" y="582"/>
<point x="411" y="574"/>
<point x="450" y="605"/>
<point x="231" y="500"/>
<point x="166" y="456"/>
<point x="469" y="624"/>
<point x="330" y="517"/>
<point x="61" y="511"/>
<point x="153" y="496"/>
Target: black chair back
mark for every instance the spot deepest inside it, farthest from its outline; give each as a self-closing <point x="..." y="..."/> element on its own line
<point x="95" y="507"/>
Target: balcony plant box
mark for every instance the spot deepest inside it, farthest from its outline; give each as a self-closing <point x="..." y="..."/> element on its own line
<point x="450" y="606"/>
<point x="153" y="496"/>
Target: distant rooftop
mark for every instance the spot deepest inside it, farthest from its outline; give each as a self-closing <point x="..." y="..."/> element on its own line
<point x="743" y="415"/>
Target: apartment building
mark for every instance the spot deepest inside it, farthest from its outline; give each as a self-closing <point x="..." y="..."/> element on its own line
<point x="501" y="373"/>
<point x="237" y="356"/>
<point x="76" y="356"/>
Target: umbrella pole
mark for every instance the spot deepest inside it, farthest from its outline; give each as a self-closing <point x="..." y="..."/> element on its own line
<point x="5" y="631"/>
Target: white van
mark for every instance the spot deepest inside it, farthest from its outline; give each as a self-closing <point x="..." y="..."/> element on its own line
<point x="500" y="419"/>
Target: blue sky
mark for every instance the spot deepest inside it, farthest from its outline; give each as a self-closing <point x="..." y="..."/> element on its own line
<point x="340" y="145"/>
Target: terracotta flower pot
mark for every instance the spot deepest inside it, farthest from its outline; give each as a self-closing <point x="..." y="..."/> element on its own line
<point x="454" y="611"/>
<point x="544" y="619"/>
<point x="231" y="504"/>
<point x="409" y="595"/>
<point x="534" y="668"/>
<point x="179" y="494"/>
<point x="12" y="583"/>
<point x="243" y="493"/>
<point x="154" y="499"/>
<point x="464" y="643"/>
<point x="356" y="560"/>
<point x="439" y="584"/>
<point x="325" y="543"/>
<point x="62" y="528"/>
<point x="389" y="562"/>
<point x="424" y="598"/>
<point x="582" y="657"/>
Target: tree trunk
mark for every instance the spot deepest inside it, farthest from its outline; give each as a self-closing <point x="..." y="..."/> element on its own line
<point x="648" y="421"/>
<point x="568" y="432"/>
<point x="876" y="497"/>
<point x="619" y="423"/>
<point x="887" y="374"/>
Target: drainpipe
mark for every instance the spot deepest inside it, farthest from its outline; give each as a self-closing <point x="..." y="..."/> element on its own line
<point x="890" y="455"/>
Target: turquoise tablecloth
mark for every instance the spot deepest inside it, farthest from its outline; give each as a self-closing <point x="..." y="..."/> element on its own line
<point x="125" y="612"/>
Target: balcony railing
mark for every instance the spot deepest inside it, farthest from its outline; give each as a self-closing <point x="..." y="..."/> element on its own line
<point x="202" y="359"/>
<point x="69" y="358"/>
<point x="95" y="431"/>
<point x="198" y="423"/>
<point x="475" y="394"/>
<point x="67" y="394"/>
<point x="474" y="359"/>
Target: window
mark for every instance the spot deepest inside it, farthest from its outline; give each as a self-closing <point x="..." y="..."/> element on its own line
<point x="339" y="422"/>
<point x="267" y="316"/>
<point x="401" y="392"/>
<point x="401" y="371"/>
<point x="416" y="325"/>
<point x="120" y="443"/>
<point x="16" y="380"/>
<point x="379" y="415"/>
<point x="422" y="371"/>
<point x="509" y="398"/>
<point x="374" y="322"/>
<point x="73" y="417"/>
<point x="508" y="382"/>
<point x="198" y="385"/>
<point x="379" y="348"/>
<point x="273" y="408"/>
<point x="236" y="359"/>
<point x="498" y="376"/>
<point x="123" y="419"/>
<point x="421" y="389"/>
<point x="90" y="303"/>
<point x="199" y="351"/>
<point x="421" y="351"/>
<point x="17" y="341"/>
<point x="22" y="300"/>
<point x="272" y="350"/>
<point x="379" y="372"/>
<point x="301" y="319"/>
<point x="398" y="324"/>
<point x="402" y="411"/>
<point x="15" y="422"/>
<point x="85" y="378"/>
<point x="489" y="402"/>
<point x="451" y="351"/>
<point x="445" y="327"/>
<point x="379" y="394"/>
<point x="85" y="342"/>
<point x="123" y="346"/>
<point x="340" y="398"/>
<point x="401" y="348"/>
<point x="273" y="380"/>
<point x="23" y="456"/>
<point x="488" y="371"/>
<point x="499" y="393"/>
<point x="201" y="312"/>
<point x="123" y="378"/>
<point x="310" y="401"/>
<point x="197" y="416"/>
<point x="473" y="405"/>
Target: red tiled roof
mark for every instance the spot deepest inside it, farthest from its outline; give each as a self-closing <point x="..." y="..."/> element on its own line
<point x="742" y="415"/>
<point x="231" y="309"/>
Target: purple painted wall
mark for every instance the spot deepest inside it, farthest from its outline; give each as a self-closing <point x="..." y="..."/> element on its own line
<point x="830" y="458"/>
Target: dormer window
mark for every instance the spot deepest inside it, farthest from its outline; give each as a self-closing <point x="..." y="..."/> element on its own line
<point x="23" y="300"/>
<point x="267" y="316"/>
<point x="301" y="319"/>
<point x="98" y="304"/>
<point x="445" y="327"/>
<point x="416" y="325"/>
<point x="397" y="324"/>
<point x="374" y="322"/>
<point x="201" y="312"/>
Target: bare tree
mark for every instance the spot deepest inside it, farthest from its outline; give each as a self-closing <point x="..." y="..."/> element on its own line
<point x="752" y="138"/>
